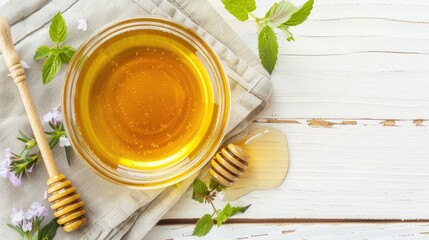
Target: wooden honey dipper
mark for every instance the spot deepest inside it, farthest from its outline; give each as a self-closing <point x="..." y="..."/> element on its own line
<point x="229" y="164"/>
<point x="66" y="203"/>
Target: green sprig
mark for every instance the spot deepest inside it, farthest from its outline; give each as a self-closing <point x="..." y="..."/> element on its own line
<point x="57" y="54"/>
<point x="28" y="158"/>
<point x="205" y="194"/>
<point x="46" y="233"/>
<point x="281" y="15"/>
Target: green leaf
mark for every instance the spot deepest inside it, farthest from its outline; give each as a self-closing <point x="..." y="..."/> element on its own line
<point x="50" y="68"/>
<point x="288" y="34"/>
<point x="214" y="184"/>
<point x="301" y="14"/>
<point x="58" y="29"/>
<point x="17" y="229"/>
<point x="279" y="13"/>
<point x="24" y="136"/>
<point x="49" y="230"/>
<point x="236" y="210"/>
<point x="66" y="54"/>
<point x="36" y="230"/>
<point x="200" y="190"/>
<point x="203" y="226"/>
<point x="42" y="52"/>
<point x="223" y="215"/>
<point x="67" y="149"/>
<point x="54" y="141"/>
<point x="268" y="48"/>
<point x="240" y="8"/>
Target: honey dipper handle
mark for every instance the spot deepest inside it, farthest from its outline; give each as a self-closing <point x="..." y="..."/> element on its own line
<point x="18" y="74"/>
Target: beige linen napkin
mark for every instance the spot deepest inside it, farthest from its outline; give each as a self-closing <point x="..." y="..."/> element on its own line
<point x="114" y="212"/>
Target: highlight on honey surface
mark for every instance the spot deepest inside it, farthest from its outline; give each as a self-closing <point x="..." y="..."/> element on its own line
<point x="144" y="100"/>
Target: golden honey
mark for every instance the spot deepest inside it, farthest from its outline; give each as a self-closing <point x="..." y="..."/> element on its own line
<point x="144" y="101"/>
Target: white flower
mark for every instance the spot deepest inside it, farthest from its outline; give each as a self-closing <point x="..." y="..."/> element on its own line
<point x="220" y="195"/>
<point x="83" y="24"/>
<point x="24" y="64"/>
<point x="54" y="115"/>
<point x="17" y="216"/>
<point x="64" y="142"/>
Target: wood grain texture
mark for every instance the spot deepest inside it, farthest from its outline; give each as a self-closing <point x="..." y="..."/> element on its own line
<point x="399" y="231"/>
<point x="351" y="59"/>
<point x="12" y="60"/>
<point x="352" y="96"/>
<point x="342" y="172"/>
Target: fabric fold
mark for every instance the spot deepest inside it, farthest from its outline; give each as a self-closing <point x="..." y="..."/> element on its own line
<point x="114" y="212"/>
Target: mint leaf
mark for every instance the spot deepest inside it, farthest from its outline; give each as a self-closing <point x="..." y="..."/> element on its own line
<point x="301" y="14"/>
<point x="58" y="29"/>
<point x="236" y="210"/>
<point x="42" y="52"/>
<point x="200" y="190"/>
<point x="223" y="215"/>
<point x="49" y="230"/>
<point x="50" y="68"/>
<point x="66" y="54"/>
<point x="268" y="48"/>
<point x="240" y="8"/>
<point x="204" y="224"/>
<point x="279" y="13"/>
<point x="288" y="34"/>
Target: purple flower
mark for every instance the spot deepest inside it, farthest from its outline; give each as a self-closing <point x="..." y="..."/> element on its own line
<point x="31" y="168"/>
<point x="27" y="226"/>
<point x="54" y="116"/>
<point x="25" y="220"/>
<point x="8" y="153"/>
<point x="15" y="180"/>
<point x="17" y="216"/>
<point x="37" y="210"/>
<point x="5" y="164"/>
<point x="5" y="170"/>
<point x="64" y="141"/>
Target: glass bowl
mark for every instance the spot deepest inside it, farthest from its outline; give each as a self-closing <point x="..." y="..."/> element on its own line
<point x="84" y="116"/>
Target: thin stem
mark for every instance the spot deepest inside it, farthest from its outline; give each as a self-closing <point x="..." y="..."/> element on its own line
<point x="214" y="208"/>
<point x="214" y="188"/>
<point x="253" y="16"/>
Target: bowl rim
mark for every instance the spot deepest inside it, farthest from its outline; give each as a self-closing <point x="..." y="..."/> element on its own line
<point x="224" y="107"/>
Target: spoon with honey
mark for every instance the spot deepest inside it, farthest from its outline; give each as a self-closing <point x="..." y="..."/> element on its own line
<point x="65" y="201"/>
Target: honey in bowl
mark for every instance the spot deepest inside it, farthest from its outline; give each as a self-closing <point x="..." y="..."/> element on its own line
<point x="145" y="102"/>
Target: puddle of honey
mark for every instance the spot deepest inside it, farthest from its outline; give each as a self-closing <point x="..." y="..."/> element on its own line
<point x="144" y="101"/>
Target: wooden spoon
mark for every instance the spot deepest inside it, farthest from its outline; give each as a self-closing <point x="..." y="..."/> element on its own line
<point x="66" y="203"/>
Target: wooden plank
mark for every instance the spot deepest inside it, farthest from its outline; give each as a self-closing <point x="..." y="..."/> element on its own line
<point x="401" y="231"/>
<point x="363" y="171"/>
<point x="351" y="59"/>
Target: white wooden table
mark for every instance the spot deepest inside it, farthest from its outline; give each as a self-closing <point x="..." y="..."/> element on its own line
<point x="352" y="96"/>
